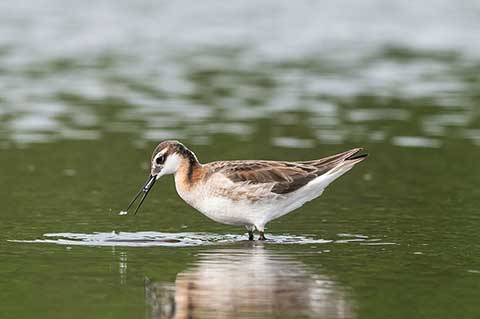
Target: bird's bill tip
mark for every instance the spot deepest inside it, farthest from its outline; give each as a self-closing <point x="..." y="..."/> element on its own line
<point x="144" y="190"/>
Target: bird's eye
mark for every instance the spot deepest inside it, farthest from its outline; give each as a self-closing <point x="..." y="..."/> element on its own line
<point x="160" y="160"/>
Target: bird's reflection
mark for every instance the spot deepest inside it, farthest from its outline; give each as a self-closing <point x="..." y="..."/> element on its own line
<point x="247" y="283"/>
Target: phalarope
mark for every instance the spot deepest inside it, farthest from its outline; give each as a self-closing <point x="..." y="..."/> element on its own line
<point x="249" y="193"/>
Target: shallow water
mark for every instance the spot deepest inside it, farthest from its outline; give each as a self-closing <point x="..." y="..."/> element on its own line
<point x="248" y="282"/>
<point x="151" y="239"/>
<point x="88" y="91"/>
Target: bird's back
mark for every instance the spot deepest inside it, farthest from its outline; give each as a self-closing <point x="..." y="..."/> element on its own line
<point x="282" y="177"/>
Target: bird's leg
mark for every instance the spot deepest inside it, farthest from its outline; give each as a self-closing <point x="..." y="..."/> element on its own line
<point x="250" y="230"/>
<point x="262" y="236"/>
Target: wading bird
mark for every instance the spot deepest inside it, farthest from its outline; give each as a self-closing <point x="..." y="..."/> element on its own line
<point x="247" y="193"/>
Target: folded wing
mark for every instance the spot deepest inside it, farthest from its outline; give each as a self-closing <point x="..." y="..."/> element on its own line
<point x="285" y="177"/>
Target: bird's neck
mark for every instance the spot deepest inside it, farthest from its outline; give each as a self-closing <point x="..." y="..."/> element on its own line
<point x="190" y="171"/>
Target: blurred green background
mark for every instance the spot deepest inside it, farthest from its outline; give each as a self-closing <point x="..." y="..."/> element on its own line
<point x="87" y="89"/>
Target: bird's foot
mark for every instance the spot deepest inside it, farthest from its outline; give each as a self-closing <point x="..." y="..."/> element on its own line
<point x="262" y="236"/>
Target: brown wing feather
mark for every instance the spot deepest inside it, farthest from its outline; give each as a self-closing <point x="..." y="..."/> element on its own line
<point x="286" y="177"/>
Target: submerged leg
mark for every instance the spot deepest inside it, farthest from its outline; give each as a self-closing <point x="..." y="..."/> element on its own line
<point x="261" y="231"/>
<point x="262" y="236"/>
<point x="250" y="230"/>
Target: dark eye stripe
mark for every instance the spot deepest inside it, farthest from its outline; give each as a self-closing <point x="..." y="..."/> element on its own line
<point x="160" y="159"/>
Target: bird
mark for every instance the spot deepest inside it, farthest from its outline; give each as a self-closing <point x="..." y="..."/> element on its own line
<point x="247" y="193"/>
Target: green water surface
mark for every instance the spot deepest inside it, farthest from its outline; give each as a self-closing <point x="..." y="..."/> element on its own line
<point x="420" y="204"/>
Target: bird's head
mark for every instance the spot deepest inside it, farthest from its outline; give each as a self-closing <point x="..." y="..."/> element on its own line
<point x="166" y="159"/>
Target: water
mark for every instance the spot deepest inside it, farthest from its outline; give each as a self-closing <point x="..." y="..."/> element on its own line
<point x="151" y="239"/>
<point x="247" y="283"/>
<point x="88" y="90"/>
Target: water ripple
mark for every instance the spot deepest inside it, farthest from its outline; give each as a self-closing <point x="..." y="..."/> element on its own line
<point x="186" y="239"/>
<point x="149" y="239"/>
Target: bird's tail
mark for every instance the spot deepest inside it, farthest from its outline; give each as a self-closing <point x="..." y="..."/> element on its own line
<point x="338" y="164"/>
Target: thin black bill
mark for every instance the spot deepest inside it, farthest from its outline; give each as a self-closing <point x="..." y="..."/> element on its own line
<point x="144" y="190"/>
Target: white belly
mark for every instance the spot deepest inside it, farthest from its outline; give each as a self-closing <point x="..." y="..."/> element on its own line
<point x="225" y="210"/>
<point x="244" y="212"/>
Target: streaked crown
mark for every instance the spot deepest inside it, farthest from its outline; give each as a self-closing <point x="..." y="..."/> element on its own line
<point x="167" y="156"/>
